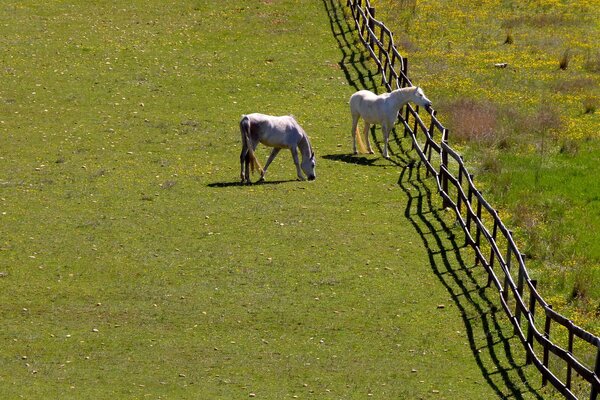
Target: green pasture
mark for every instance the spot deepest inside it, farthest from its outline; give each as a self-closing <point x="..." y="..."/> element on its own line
<point x="530" y="131"/>
<point x="132" y="263"/>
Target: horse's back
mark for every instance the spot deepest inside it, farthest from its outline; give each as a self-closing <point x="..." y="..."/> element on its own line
<point x="364" y="99"/>
<point x="362" y="96"/>
<point x="369" y="106"/>
<point x="274" y="121"/>
<point x="275" y="131"/>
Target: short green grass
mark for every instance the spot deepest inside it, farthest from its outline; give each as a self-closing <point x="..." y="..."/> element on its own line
<point x="134" y="266"/>
<point x="529" y="131"/>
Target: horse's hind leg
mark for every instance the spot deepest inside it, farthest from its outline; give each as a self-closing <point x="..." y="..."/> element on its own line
<point x="368" y="140"/>
<point x="243" y="161"/>
<point x="354" y="132"/>
<point x="245" y="165"/>
<point x="272" y="156"/>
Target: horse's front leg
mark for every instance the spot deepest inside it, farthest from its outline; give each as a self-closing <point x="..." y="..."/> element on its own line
<point x="272" y="156"/>
<point x="294" y="151"/>
<point x="386" y="136"/>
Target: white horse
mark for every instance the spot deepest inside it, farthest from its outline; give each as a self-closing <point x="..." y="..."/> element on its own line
<point x="279" y="133"/>
<point x="383" y="110"/>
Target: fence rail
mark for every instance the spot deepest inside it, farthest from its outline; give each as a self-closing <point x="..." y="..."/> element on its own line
<point x="492" y="242"/>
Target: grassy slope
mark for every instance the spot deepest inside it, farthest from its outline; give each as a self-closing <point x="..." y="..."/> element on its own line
<point x="133" y="265"/>
<point x="543" y="178"/>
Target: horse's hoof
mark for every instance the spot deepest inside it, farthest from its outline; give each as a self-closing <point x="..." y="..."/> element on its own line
<point x="355" y="153"/>
<point x="371" y="152"/>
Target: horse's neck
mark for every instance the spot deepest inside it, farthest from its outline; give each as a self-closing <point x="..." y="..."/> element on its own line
<point x="399" y="98"/>
<point x="304" y="146"/>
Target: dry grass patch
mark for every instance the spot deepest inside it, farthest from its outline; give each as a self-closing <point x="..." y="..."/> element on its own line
<point x="472" y="121"/>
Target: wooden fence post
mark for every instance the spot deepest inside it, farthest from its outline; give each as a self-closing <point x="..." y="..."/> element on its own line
<point x="478" y="232"/>
<point x="416" y="125"/>
<point x="459" y="200"/>
<point x="520" y="278"/>
<point x="492" y="253"/>
<point x="404" y="70"/>
<point x="427" y="148"/>
<point x="407" y="126"/>
<point x="570" y="349"/>
<point x="387" y="59"/>
<point x="371" y="24"/>
<point x="393" y="63"/>
<point x="594" y="393"/>
<point x="470" y="207"/>
<point x="507" y="276"/>
<point x="532" y="313"/>
<point x="546" y="351"/>
<point x="445" y="202"/>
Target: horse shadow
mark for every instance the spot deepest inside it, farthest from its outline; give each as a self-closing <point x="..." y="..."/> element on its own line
<point x="220" y="185"/>
<point x="363" y="160"/>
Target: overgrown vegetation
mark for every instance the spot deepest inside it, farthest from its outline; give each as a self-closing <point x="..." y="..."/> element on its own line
<point x="530" y="131"/>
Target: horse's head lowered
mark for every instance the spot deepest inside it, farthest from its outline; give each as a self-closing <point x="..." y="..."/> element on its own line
<point x="308" y="166"/>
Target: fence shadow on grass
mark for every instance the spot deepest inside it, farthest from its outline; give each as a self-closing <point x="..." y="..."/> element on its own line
<point x="353" y="62"/>
<point x="488" y="330"/>
<point x="354" y="65"/>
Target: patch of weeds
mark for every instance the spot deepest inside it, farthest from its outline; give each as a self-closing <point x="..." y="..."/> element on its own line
<point x="590" y="105"/>
<point x="569" y="147"/>
<point x="546" y="118"/>
<point x="585" y="283"/>
<point x="406" y="43"/>
<point x="490" y="162"/>
<point x="592" y="61"/>
<point x="565" y="59"/>
<point x="189" y="126"/>
<point x="537" y="21"/>
<point x="168" y="184"/>
<point x="573" y="85"/>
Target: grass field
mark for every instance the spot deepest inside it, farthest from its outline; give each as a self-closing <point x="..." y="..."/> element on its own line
<point x="133" y="265"/>
<point x="530" y="131"/>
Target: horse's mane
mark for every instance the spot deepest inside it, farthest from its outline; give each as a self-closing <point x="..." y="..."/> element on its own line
<point x="305" y="141"/>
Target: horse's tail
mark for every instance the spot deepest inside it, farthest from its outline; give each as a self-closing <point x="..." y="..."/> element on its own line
<point x="245" y="130"/>
<point x="359" y="140"/>
<point x="354" y="103"/>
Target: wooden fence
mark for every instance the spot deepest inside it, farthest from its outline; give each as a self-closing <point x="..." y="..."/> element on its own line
<point x="532" y="317"/>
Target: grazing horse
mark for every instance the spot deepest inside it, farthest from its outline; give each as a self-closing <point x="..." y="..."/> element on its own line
<point x="279" y="133"/>
<point x="383" y="110"/>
